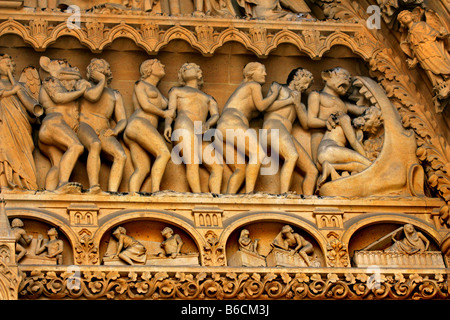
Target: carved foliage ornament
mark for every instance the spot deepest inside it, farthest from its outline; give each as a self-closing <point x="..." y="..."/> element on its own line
<point x="161" y="285"/>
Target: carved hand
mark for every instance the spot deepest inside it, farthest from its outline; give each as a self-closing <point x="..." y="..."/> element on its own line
<point x="168" y="134"/>
<point x="412" y="62"/>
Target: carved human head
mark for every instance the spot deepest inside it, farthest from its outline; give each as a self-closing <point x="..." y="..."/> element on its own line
<point x="299" y="79"/>
<point x="190" y="67"/>
<point x="101" y="66"/>
<point x="405" y="17"/>
<point x="409" y="228"/>
<point x="167" y="232"/>
<point x="286" y="229"/>
<point x="370" y="121"/>
<point x="17" y="223"/>
<point x="151" y="67"/>
<point x="255" y="71"/>
<point x="52" y="232"/>
<point x="337" y="79"/>
<point x="244" y="233"/>
<point x="6" y="63"/>
<point x="119" y="231"/>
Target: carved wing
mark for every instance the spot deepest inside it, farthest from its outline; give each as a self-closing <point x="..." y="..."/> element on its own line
<point x="31" y="80"/>
<point x="297" y="6"/>
<point x="435" y="21"/>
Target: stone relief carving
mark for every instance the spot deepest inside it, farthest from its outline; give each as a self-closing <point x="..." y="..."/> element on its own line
<point x="282" y="119"/>
<point x="192" y="107"/>
<point x="22" y="238"/>
<point x="32" y="248"/>
<point x="248" y="252"/>
<point x="129" y="249"/>
<point x="141" y="134"/>
<point x="97" y="107"/>
<point x="404" y="247"/>
<point x="125" y="249"/>
<point x="53" y="246"/>
<point x="290" y="249"/>
<point x="58" y="132"/>
<point x="425" y="42"/>
<point x="346" y="120"/>
<point x="172" y="244"/>
<point x="18" y="107"/>
<point x="236" y="114"/>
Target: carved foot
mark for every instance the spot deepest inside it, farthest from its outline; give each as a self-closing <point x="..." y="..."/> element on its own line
<point x="95" y="189"/>
<point x="69" y="188"/>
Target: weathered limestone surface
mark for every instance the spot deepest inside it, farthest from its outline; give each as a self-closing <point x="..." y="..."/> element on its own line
<point x="102" y="200"/>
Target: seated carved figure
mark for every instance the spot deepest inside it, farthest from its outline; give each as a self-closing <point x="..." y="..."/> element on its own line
<point x="246" y="243"/>
<point x="172" y="243"/>
<point x="412" y="242"/>
<point x="58" y="140"/>
<point x="141" y="134"/>
<point x="97" y="107"/>
<point x="282" y="119"/>
<point x="53" y="246"/>
<point x="192" y="107"/>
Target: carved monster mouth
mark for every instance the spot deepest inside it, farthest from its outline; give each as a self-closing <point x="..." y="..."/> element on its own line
<point x="69" y="75"/>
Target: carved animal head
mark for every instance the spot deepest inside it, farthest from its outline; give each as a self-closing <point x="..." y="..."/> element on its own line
<point x="59" y="68"/>
<point x="338" y="79"/>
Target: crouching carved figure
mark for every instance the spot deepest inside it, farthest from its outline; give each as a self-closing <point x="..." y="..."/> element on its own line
<point x="396" y="170"/>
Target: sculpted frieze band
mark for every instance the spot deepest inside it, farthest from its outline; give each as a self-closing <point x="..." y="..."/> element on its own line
<point x="351" y="123"/>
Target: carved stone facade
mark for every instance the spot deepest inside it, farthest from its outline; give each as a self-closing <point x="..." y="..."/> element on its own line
<point x="115" y="169"/>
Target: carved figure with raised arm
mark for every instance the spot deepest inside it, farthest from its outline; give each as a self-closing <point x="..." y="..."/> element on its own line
<point x="172" y="244"/>
<point x="17" y="108"/>
<point x="99" y="105"/>
<point x="294" y="155"/>
<point x="234" y="125"/>
<point x="58" y="138"/>
<point x="53" y="246"/>
<point x="291" y="241"/>
<point x="192" y="107"/>
<point x="21" y="237"/>
<point x="141" y="134"/>
<point x="325" y="105"/>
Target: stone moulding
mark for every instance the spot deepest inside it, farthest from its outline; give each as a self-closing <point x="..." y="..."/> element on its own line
<point x="138" y="283"/>
<point x="152" y="33"/>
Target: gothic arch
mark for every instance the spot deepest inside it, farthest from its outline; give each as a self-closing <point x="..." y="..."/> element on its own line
<point x="124" y="216"/>
<point x="353" y="225"/>
<point x="245" y="218"/>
